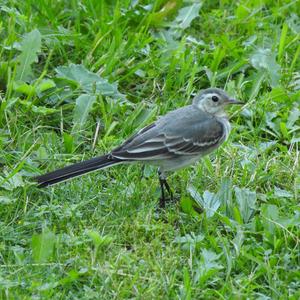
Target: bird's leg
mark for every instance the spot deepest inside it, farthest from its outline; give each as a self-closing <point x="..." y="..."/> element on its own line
<point x="143" y="169"/>
<point x="162" y="200"/>
<point x="168" y="189"/>
<point x="164" y="184"/>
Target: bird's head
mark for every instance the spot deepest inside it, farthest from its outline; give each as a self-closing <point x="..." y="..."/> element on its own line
<point x="214" y="101"/>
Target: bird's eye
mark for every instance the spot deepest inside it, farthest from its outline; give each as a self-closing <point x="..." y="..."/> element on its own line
<point x="215" y="98"/>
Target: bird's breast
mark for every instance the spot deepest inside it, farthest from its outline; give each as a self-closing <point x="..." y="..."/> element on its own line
<point x="226" y="126"/>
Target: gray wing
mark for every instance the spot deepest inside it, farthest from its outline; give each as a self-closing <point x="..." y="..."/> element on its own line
<point x="186" y="131"/>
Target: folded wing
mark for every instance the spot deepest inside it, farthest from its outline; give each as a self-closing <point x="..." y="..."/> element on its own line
<point x="187" y="133"/>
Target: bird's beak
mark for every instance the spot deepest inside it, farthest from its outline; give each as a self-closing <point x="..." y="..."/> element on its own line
<point x="234" y="101"/>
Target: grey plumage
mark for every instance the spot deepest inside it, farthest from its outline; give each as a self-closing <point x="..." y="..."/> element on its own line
<point x="184" y="132"/>
<point x="175" y="140"/>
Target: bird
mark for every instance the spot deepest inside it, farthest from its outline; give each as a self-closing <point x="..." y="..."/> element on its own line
<point x="174" y="141"/>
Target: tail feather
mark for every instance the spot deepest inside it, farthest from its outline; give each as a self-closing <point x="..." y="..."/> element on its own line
<point x="75" y="170"/>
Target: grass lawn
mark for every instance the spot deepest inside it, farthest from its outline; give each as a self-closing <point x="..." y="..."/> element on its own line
<point x="77" y="78"/>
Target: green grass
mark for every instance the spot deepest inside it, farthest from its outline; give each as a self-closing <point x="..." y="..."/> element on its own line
<point x="76" y="78"/>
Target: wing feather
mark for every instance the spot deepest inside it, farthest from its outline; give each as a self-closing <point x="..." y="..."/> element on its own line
<point x="170" y="137"/>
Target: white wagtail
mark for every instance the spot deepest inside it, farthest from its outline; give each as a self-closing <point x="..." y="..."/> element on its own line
<point x="175" y="140"/>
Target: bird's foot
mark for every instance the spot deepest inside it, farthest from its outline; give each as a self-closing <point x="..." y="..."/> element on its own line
<point x="163" y="201"/>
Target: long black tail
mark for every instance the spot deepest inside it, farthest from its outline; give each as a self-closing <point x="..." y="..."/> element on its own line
<point x="76" y="170"/>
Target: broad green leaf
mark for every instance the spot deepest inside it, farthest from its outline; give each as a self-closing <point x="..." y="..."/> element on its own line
<point x="187" y="206"/>
<point x="256" y="86"/>
<point x="209" y="258"/>
<point x="88" y="81"/>
<point x="43" y="245"/>
<point x="225" y="195"/>
<point x="169" y="8"/>
<point x="241" y="12"/>
<point x="100" y="240"/>
<point x="271" y="122"/>
<point x="238" y="240"/>
<point x="209" y="201"/>
<point x="265" y="59"/>
<point x="207" y="267"/>
<point x="190" y="241"/>
<point x="246" y="201"/>
<point x="45" y="85"/>
<point x="82" y="108"/>
<point x="280" y="193"/>
<point x="290" y="221"/>
<point x="47" y="286"/>
<point x="72" y="276"/>
<point x="271" y="213"/>
<point x="237" y="216"/>
<point x="293" y="117"/>
<point x="284" y="130"/>
<point x="187" y="14"/>
<point x="42" y="110"/>
<point x="12" y="183"/>
<point x="30" y="47"/>
<point x="41" y="153"/>
<point x="23" y="88"/>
